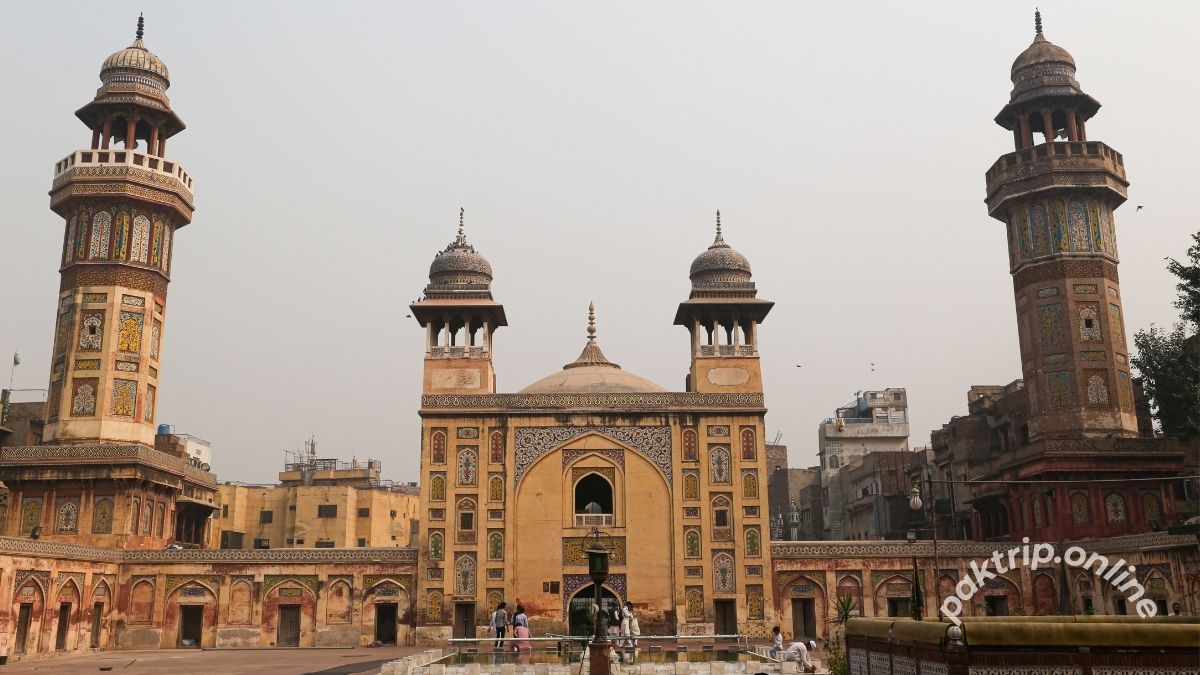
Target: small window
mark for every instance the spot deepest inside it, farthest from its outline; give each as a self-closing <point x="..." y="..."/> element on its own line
<point x="292" y="507"/>
<point x="551" y="587"/>
<point x="362" y="543"/>
<point x="262" y="543"/>
<point x="265" y="517"/>
<point x="721" y="518"/>
<point x="324" y="543"/>
<point x="364" y="513"/>
<point x="393" y="514"/>
<point x="224" y="510"/>
<point x="466" y="520"/>
<point x="326" y="511"/>
<point x="300" y="541"/>
<point x="896" y="396"/>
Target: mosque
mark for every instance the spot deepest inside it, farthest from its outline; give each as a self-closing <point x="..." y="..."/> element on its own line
<point x="512" y="484"/>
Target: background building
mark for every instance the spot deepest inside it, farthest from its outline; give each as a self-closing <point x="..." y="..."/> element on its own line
<point x="320" y="503"/>
<point x="873" y="421"/>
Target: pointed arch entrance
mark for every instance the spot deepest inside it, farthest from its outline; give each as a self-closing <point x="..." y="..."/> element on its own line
<point x="579" y="609"/>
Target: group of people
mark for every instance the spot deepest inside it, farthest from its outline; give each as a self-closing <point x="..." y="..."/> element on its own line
<point x="520" y="626"/>
<point x="622" y="624"/>
<point x="797" y="651"/>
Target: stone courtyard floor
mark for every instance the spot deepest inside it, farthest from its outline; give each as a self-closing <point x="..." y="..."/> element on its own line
<point x="219" y="661"/>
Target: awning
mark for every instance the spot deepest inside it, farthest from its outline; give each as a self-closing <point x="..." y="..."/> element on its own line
<point x="192" y="500"/>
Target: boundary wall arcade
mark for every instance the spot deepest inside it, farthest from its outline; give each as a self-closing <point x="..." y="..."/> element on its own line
<point x="62" y="598"/>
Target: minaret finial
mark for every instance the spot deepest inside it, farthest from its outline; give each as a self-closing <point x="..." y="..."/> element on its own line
<point x="462" y="237"/>
<point x="1037" y="20"/>
<point x="720" y="239"/>
<point x="591" y="321"/>
<point x="141" y="26"/>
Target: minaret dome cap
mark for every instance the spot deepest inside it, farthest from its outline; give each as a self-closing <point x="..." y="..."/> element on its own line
<point x="137" y="64"/>
<point x="720" y="263"/>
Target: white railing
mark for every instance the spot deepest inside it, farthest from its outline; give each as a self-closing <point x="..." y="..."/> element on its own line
<point x="110" y="157"/>
<point x="727" y="350"/>
<point x="442" y="352"/>
<point x="593" y="520"/>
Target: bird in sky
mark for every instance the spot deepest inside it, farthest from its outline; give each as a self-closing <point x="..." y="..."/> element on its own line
<point x="1140" y="207"/>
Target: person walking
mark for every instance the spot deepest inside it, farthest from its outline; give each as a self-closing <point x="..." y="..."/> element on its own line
<point x="776" y="642"/>
<point x="614" y="624"/>
<point x="500" y="623"/>
<point x="633" y="630"/>
<point x="520" y="620"/>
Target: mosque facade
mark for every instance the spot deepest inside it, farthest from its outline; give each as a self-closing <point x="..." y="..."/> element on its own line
<point x="108" y="538"/>
<point x="512" y="483"/>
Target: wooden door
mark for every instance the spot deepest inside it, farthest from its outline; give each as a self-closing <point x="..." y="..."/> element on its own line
<point x="726" y="617"/>
<point x="64" y="626"/>
<point x="97" y="612"/>
<point x="23" y="619"/>
<point x="289" y="626"/>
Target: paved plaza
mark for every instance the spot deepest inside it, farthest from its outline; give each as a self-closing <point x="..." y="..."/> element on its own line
<point x="223" y="661"/>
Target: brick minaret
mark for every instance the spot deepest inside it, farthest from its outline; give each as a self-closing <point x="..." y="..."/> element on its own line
<point x="122" y="200"/>
<point x="1056" y="193"/>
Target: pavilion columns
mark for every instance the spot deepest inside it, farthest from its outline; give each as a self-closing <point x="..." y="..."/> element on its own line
<point x="130" y="131"/>
<point x="106" y="134"/>
<point x="1072" y="129"/>
<point x="1026" y="138"/>
<point x="152" y="148"/>
<point x="1048" y="126"/>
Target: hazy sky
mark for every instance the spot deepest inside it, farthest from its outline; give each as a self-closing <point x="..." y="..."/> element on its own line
<point x="333" y="143"/>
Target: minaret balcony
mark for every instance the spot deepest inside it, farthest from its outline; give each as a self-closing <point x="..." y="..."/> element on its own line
<point x="1079" y="164"/>
<point x="92" y="166"/>
<point x="727" y="350"/>
<point x="443" y="352"/>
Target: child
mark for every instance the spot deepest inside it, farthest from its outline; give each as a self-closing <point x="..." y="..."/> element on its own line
<point x="776" y="643"/>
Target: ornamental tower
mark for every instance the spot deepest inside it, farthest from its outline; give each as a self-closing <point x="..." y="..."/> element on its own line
<point x="459" y="317"/>
<point x="722" y="314"/>
<point x="122" y="200"/>
<point x="1057" y="199"/>
<point x="103" y="477"/>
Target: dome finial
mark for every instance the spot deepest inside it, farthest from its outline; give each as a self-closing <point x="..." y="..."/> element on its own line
<point x="141" y="26"/>
<point x="720" y="240"/>
<point x="1037" y="20"/>
<point x="591" y="321"/>
<point x="462" y="237"/>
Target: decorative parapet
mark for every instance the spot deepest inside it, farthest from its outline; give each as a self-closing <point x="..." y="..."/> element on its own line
<point x="59" y="455"/>
<point x="1074" y="164"/>
<point x="117" y="173"/>
<point x="277" y="555"/>
<point x="11" y="546"/>
<point x="673" y="401"/>
<point x="781" y="551"/>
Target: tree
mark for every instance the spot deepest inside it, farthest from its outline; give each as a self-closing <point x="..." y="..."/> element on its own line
<point x="1189" y="283"/>
<point x="1169" y="360"/>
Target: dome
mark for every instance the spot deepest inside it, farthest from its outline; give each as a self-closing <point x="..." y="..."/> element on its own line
<point x="592" y="380"/>
<point x="1042" y="51"/>
<point x="720" y="262"/>
<point x="460" y="263"/>
<point x="591" y="373"/>
<point x="136" y="60"/>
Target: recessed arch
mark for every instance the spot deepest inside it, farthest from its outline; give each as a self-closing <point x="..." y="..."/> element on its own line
<point x="593" y="488"/>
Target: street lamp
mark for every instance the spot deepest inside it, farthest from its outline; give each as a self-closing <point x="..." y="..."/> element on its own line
<point x="915" y="503"/>
<point x="597" y="555"/>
